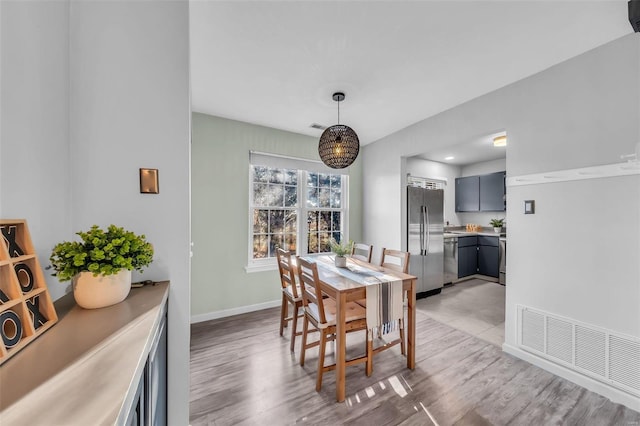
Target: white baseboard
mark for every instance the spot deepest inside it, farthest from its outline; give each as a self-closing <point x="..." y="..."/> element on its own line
<point x="234" y="311"/>
<point x="614" y="394"/>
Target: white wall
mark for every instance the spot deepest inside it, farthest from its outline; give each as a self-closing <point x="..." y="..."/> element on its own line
<point x="130" y="108"/>
<point x="91" y="91"/>
<point x="34" y="123"/>
<point x="580" y="113"/>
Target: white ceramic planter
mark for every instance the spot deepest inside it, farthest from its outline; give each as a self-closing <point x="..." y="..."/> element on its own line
<point x="98" y="292"/>
<point x="497" y="230"/>
<point x="341" y="261"/>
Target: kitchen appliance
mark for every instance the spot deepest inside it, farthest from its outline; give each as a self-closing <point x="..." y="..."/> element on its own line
<point x="503" y="261"/>
<point x="425" y="228"/>
<point x="450" y="259"/>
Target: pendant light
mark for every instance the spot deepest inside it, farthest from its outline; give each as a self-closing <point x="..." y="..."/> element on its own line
<point x="339" y="144"/>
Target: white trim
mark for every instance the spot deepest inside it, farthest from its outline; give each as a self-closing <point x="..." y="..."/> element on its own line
<point x="607" y="170"/>
<point x="614" y="394"/>
<point x="234" y="311"/>
<point x="251" y="268"/>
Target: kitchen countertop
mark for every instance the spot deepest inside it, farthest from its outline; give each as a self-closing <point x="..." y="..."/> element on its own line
<point x="455" y="234"/>
<point x="86" y="368"/>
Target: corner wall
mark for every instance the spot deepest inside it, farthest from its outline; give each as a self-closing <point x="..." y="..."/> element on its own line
<point x="220" y="186"/>
<point x="567" y="259"/>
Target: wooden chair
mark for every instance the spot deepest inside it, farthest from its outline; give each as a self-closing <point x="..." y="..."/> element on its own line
<point x="362" y="252"/>
<point x="320" y="312"/>
<point x="397" y="261"/>
<point x="291" y="294"/>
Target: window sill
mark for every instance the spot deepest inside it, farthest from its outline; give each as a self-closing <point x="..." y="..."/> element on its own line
<point x="250" y="269"/>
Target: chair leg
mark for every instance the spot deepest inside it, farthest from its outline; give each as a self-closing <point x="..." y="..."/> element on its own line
<point x="369" y="355"/>
<point x="402" y="349"/>
<point x="303" y="348"/>
<point x="283" y="314"/>
<point x="294" y="326"/>
<point x="323" y="342"/>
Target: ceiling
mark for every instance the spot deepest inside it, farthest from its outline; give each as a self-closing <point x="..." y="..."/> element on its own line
<point x="277" y="63"/>
<point x="468" y="152"/>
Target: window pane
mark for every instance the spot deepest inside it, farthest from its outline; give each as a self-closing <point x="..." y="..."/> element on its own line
<point x="335" y="222"/>
<point x="260" y="194"/>
<point x="312" y="221"/>
<point x="276" y="176"/>
<point x="290" y="196"/>
<point x="312" y="179"/>
<point x="312" y="197"/>
<point x="312" y="244"/>
<point x="336" y="181"/>
<point x="276" y="195"/>
<point x="260" y="221"/>
<point x="324" y="180"/>
<point x="323" y="198"/>
<point x="324" y="242"/>
<point x="291" y="242"/>
<point x="260" y="246"/>
<point x="337" y="236"/>
<point x="274" y="242"/>
<point x="260" y="174"/>
<point x="335" y="198"/>
<point x="290" y="221"/>
<point x="291" y="177"/>
<point x="276" y="221"/>
<point x="324" y="224"/>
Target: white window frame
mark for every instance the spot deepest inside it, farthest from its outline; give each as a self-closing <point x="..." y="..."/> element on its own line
<point x="269" y="264"/>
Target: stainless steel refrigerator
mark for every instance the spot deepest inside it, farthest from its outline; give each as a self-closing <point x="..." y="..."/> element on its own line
<point x="425" y="228"/>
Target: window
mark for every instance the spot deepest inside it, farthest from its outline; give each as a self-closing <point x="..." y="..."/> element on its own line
<point x="294" y="208"/>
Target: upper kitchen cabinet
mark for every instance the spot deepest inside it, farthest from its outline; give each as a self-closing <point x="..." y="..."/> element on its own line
<point x="492" y="191"/>
<point x="485" y="193"/>
<point x="468" y="194"/>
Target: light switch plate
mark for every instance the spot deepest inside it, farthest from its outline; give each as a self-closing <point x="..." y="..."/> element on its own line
<point x="149" y="181"/>
<point x="529" y="206"/>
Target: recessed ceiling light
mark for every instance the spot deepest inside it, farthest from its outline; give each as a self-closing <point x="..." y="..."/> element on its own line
<point x="449" y="158"/>
<point x="500" y="140"/>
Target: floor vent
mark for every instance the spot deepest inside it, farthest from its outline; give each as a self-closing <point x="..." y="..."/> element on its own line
<point x="605" y="355"/>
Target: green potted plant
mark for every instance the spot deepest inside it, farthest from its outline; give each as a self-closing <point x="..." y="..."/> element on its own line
<point x="497" y="224"/>
<point x="341" y="250"/>
<point x="100" y="265"/>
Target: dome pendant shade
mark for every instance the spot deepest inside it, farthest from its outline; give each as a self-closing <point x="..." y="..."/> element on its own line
<point x="339" y="144"/>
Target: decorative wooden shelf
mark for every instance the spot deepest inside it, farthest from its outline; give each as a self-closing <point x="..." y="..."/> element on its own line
<point x="26" y="308"/>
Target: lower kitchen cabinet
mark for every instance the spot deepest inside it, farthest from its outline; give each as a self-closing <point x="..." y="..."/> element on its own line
<point x="488" y="261"/>
<point x="478" y="255"/>
<point x="467" y="256"/>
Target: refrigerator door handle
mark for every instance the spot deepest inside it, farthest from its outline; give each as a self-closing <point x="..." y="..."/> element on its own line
<point x="427" y="233"/>
<point x="421" y="229"/>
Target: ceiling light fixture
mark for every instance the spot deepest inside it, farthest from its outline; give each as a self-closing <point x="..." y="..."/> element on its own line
<point x="500" y="140"/>
<point x="339" y="144"/>
<point x="449" y="158"/>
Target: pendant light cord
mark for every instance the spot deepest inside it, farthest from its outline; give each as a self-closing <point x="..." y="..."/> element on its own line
<point x="338" y="112"/>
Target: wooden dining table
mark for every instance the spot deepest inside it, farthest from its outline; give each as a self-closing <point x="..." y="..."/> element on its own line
<point x="343" y="290"/>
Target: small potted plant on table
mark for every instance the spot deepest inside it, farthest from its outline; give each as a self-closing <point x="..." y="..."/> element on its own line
<point x="100" y="266"/>
<point x="341" y="250"/>
<point x="497" y="225"/>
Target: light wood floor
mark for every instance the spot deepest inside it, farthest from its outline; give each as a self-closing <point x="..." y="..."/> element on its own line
<point x="242" y="373"/>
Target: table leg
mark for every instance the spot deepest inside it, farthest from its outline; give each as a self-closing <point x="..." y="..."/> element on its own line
<point x="341" y="346"/>
<point x="411" y="326"/>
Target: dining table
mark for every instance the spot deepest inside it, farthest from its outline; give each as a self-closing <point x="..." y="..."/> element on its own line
<point x="338" y="284"/>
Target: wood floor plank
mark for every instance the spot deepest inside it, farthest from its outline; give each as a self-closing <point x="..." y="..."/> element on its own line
<point x="243" y="373"/>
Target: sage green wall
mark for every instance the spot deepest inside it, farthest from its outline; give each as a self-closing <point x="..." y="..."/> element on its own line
<point x="219" y="211"/>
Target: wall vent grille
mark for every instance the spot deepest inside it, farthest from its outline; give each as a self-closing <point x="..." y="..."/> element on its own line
<point x="605" y="355"/>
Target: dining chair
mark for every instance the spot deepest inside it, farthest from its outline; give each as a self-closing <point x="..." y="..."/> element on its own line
<point x="320" y="312"/>
<point x="362" y="252"/>
<point x="398" y="261"/>
<point x="291" y="295"/>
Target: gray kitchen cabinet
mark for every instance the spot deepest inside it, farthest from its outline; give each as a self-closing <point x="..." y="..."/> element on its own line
<point x="492" y="192"/>
<point x="488" y="256"/>
<point x="467" y="256"/>
<point x="468" y="194"/>
<point x="484" y="193"/>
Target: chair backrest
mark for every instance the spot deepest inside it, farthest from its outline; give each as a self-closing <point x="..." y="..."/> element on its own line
<point x="310" y="286"/>
<point x="287" y="271"/>
<point x="396" y="260"/>
<point x="362" y="252"/>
